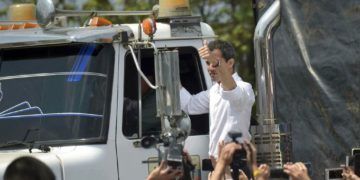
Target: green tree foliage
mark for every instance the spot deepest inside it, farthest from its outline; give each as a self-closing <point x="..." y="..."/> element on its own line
<point x="23" y="1"/>
<point x="103" y="5"/>
<point x="126" y="5"/>
<point x="138" y="5"/>
<point x="3" y="12"/>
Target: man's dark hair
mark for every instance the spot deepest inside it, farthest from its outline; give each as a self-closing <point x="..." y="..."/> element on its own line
<point x="226" y="48"/>
<point x="28" y="168"/>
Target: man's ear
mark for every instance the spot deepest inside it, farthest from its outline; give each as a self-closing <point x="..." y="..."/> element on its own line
<point x="231" y="62"/>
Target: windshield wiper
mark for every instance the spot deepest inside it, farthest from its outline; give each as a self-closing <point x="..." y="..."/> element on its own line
<point x="28" y="145"/>
<point x="16" y="144"/>
<point x="23" y="143"/>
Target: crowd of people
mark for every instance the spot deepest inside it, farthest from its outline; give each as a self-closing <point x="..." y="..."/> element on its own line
<point x="222" y="170"/>
<point x="30" y="168"/>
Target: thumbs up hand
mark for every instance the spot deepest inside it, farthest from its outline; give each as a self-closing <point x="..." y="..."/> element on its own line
<point x="204" y="51"/>
<point x="206" y="54"/>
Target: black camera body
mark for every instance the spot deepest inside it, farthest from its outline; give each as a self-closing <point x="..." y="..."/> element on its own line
<point x="355" y="163"/>
<point x="178" y="160"/>
<point x="239" y="158"/>
<point x="174" y="156"/>
<point x="355" y="152"/>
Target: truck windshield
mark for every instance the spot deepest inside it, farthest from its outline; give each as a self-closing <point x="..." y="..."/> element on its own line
<point x="55" y="94"/>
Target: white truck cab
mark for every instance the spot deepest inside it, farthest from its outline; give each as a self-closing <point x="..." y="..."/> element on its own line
<point x="73" y="97"/>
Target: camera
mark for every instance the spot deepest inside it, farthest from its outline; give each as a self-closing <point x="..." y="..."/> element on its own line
<point x="178" y="160"/>
<point x="174" y="156"/>
<point x="239" y="158"/>
<point x="333" y="173"/>
<point x="355" y="152"/>
<point x="353" y="161"/>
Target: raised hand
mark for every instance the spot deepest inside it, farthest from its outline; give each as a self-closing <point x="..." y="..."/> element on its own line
<point x="262" y="172"/>
<point x="250" y="154"/>
<point x="297" y="171"/>
<point x="228" y="151"/>
<point x="206" y="54"/>
<point x="164" y="172"/>
<point x="348" y="174"/>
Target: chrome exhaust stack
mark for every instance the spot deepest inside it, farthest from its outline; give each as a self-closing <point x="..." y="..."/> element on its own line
<point x="264" y="31"/>
<point x="273" y="140"/>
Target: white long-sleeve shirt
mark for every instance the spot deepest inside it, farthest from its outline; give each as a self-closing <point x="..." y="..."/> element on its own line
<point x="229" y="111"/>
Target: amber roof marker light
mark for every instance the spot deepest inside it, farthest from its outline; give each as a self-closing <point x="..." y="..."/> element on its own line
<point x="22" y="12"/>
<point x="149" y="26"/>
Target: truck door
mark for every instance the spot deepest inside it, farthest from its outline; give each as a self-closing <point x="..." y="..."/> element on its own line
<point x="138" y="112"/>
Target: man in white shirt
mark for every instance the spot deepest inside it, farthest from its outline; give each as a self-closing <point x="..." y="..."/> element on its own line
<point x="228" y="101"/>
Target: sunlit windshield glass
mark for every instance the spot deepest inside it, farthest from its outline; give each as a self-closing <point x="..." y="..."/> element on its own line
<point x="55" y="93"/>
